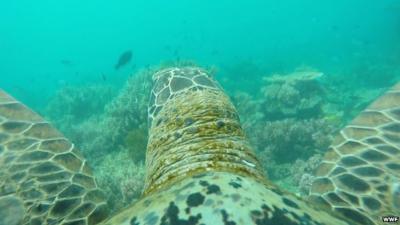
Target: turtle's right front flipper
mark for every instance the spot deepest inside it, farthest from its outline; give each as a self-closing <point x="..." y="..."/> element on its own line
<point x="360" y="174"/>
<point x="43" y="177"/>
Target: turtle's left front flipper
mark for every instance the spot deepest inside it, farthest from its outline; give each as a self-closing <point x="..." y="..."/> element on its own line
<point x="43" y="177"/>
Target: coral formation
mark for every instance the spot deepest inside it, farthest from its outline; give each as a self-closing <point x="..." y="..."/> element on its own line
<point x="301" y="113"/>
<point x="287" y="123"/>
<point x="123" y="186"/>
<point x="72" y="105"/>
<point x="289" y="119"/>
<point x="108" y="130"/>
<point x="305" y="184"/>
<point x="124" y="117"/>
<point x="304" y="167"/>
<point x="111" y="132"/>
<point x="136" y="141"/>
<point x="289" y="139"/>
<point x="298" y="95"/>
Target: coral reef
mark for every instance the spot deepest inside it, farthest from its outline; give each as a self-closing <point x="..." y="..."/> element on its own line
<point x="128" y="110"/>
<point x="298" y="95"/>
<point x="301" y="113"/>
<point x="289" y="139"/>
<point x="136" y="141"/>
<point x="287" y="123"/>
<point x="289" y="119"/>
<point x="295" y="177"/>
<point x="108" y="131"/>
<point x="301" y="167"/>
<point x="72" y="105"/>
<point x="111" y="132"/>
<point x="120" y="178"/>
<point x="305" y="184"/>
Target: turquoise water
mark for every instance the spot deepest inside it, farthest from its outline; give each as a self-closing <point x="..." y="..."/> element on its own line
<point x="278" y="36"/>
<point x="59" y="58"/>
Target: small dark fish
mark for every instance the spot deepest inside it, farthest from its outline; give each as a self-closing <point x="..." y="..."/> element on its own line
<point x="124" y="59"/>
<point x="66" y="62"/>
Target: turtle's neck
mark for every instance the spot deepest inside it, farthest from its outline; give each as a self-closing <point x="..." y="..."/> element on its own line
<point x="196" y="131"/>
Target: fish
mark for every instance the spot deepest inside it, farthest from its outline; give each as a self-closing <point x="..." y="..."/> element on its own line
<point x="124" y="59"/>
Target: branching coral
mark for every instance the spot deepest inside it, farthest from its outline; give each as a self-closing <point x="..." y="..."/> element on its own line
<point x="107" y="132"/>
<point x="302" y="111"/>
<point x="305" y="184"/>
<point x="300" y="167"/>
<point x="129" y="109"/>
<point x="293" y="126"/>
<point x="289" y="139"/>
<point x="301" y="173"/>
<point x="135" y="142"/>
<point x="72" y="105"/>
<point x="121" y="178"/>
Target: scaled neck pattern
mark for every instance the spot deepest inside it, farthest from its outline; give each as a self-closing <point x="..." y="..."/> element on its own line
<point x="194" y="128"/>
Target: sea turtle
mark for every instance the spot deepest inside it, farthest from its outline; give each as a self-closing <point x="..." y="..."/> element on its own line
<point x="200" y="168"/>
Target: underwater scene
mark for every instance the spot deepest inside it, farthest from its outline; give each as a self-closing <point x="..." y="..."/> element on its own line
<point x="269" y="84"/>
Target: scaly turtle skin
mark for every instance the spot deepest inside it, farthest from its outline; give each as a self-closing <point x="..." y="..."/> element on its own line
<point x="360" y="174"/>
<point x="200" y="168"/>
<point x="43" y="177"/>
